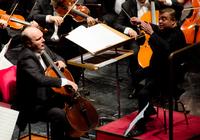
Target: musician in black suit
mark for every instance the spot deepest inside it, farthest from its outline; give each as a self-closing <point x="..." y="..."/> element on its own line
<point x="137" y="8"/>
<point x="45" y="13"/>
<point x="34" y="98"/>
<point x="164" y="39"/>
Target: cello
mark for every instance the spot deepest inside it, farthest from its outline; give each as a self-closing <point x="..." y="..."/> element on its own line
<point x="80" y="113"/>
<point x="145" y="52"/>
<point x="190" y="26"/>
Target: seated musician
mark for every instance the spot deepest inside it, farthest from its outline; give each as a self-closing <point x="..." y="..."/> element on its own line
<point x="34" y="98"/>
<point x="138" y="8"/>
<point x="164" y="39"/>
<point x="47" y="14"/>
<point x="15" y="43"/>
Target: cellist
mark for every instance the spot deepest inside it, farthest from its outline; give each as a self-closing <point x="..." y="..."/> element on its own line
<point x="138" y="8"/>
<point x="165" y="38"/>
<point x="34" y="98"/>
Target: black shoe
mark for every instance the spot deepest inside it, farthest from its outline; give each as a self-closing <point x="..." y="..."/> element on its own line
<point x="150" y="111"/>
<point x="140" y="128"/>
<point x="136" y="132"/>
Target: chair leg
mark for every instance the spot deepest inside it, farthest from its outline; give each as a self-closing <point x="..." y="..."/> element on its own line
<point x="184" y="111"/>
<point x="29" y="131"/>
<point x="165" y="120"/>
<point x="48" y="134"/>
<point x="19" y="135"/>
<point x="157" y="110"/>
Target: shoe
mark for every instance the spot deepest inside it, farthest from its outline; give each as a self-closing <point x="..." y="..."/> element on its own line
<point x="136" y="132"/>
<point x="150" y="111"/>
<point x="140" y="128"/>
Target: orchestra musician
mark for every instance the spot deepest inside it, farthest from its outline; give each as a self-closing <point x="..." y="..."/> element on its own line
<point x="22" y="8"/>
<point x="35" y="99"/>
<point x="110" y="10"/>
<point x="164" y="39"/>
<point x="14" y="10"/>
<point x="137" y="8"/>
<point x="45" y="14"/>
<point x="15" y="43"/>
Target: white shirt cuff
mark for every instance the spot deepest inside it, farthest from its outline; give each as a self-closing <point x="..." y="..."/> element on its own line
<point x="126" y="30"/>
<point x="48" y="19"/>
<point x="168" y="2"/>
<point x="64" y="82"/>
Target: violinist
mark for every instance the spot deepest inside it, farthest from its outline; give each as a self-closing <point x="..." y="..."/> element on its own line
<point x="19" y="8"/>
<point x="14" y="10"/>
<point x="15" y="45"/>
<point x="137" y="8"/>
<point x="35" y="99"/>
<point x="45" y="13"/>
<point x="164" y="39"/>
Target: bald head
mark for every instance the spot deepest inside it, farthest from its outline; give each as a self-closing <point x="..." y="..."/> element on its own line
<point x="31" y="32"/>
<point x="33" y="38"/>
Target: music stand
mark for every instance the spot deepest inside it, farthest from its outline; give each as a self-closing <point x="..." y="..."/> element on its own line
<point x="189" y="55"/>
<point x="99" y="47"/>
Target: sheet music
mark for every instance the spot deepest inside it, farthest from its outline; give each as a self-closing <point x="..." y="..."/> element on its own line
<point x="137" y="118"/>
<point x="8" y="118"/>
<point x="95" y="38"/>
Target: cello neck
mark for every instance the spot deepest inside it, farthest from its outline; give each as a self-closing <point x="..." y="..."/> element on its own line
<point x="48" y="58"/>
<point x="153" y="12"/>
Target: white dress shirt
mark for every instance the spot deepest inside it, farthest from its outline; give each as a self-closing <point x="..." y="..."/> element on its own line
<point x="118" y="4"/>
<point x="41" y="60"/>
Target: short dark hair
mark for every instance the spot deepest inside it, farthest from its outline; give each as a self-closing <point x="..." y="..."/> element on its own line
<point x="171" y="11"/>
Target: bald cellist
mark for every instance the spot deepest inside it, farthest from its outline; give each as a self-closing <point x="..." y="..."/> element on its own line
<point x="34" y="98"/>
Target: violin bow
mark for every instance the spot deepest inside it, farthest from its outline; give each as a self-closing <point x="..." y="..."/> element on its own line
<point x="12" y="12"/>
<point x="70" y="9"/>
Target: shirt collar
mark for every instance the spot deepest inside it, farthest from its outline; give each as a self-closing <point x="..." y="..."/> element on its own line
<point x="145" y="4"/>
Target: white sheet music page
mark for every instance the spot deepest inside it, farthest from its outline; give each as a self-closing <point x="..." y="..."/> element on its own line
<point x="8" y="118"/>
<point x="94" y="38"/>
<point x="134" y="121"/>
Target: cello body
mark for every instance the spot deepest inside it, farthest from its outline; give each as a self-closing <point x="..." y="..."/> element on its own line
<point x="190" y="26"/>
<point x="145" y="52"/>
<point x="80" y="113"/>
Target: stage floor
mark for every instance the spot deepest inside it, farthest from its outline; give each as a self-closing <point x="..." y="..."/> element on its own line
<point x="103" y="87"/>
<point x="155" y="128"/>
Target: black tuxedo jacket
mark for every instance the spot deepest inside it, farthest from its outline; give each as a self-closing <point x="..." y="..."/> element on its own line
<point x="41" y="9"/>
<point x="32" y="85"/>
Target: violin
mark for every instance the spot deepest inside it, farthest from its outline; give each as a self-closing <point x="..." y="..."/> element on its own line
<point x="16" y="21"/>
<point x="190" y="26"/>
<point x="80" y="113"/>
<point x="69" y="7"/>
